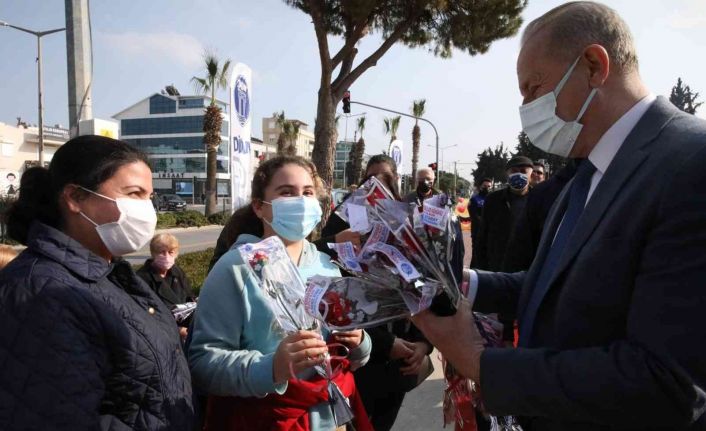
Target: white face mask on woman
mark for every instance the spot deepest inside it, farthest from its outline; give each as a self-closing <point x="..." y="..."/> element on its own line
<point x="133" y="229"/>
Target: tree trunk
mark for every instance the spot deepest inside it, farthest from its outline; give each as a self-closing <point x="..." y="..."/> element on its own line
<point x="416" y="135"/>
<point x="212" y="139"/>
<point x="325" y="145"/>
<point x="211" y="187"/>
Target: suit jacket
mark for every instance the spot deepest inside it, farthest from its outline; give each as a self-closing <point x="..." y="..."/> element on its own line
<point x="491" y="242"/>
<point x="619" y="340"/>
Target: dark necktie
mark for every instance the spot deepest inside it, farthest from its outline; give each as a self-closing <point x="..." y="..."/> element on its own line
<point x="577" y="202"/>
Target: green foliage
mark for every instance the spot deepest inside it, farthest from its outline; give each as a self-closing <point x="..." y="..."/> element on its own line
<point x="552" y="162"/>
<point x="446" y="183"/>
<point x="190" y="219"/>
<point x="683" y="98"/>
<point x="195" y="266"/>
<point x="390" y="126"/>
<point x="220" y="218"/>
<point x="418" y="108"/>
<point x="440" y="25"/>
<point x="491" y="164"/>
<point x="166" y="220"/>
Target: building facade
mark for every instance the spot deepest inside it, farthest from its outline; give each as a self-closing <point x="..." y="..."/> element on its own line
<point x="19" y="151"/>
<point x="305" y="138"/>
<point x="169" y="129"/>
<point x="261" y="151"/>
<point x="340" y="163"/>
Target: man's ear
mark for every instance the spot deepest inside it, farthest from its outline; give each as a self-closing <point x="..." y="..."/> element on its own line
<point x="598" y="63"/>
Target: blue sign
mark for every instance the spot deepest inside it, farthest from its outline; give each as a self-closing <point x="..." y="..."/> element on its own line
<point x="241" y="98"/>
<point x="240" y="146"/>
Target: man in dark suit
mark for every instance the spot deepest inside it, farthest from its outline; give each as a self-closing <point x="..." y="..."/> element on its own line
<point x="612" y="332"/>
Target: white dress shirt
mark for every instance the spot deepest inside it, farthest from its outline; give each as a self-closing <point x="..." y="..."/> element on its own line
<point x="601" y="156"/>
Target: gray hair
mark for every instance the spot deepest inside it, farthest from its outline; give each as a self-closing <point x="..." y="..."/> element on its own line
<point x="421" y="171"/>
<point x="575" y="25"/>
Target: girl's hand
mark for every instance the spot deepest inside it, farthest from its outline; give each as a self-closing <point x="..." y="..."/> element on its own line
<point x="350" y="339"/>
<point x="297" y="352"/>
<point x="415" y="361"/>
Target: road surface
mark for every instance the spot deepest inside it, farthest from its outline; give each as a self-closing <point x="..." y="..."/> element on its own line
<point x="421" y="409"/>
<point x="190" y="240"/>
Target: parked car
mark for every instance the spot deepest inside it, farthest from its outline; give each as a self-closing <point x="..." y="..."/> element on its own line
<point x="171" y="202"/>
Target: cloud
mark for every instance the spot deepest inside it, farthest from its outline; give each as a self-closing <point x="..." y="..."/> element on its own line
<point x="179" y="48"/>
<point x="692" y="15"/>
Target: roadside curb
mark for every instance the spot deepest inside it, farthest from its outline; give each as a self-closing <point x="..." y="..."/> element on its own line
<point x="189" y="229"/>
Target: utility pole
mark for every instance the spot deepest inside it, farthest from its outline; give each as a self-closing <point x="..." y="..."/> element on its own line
<point x="79" y="62"/>
<point x="40" y="86"/>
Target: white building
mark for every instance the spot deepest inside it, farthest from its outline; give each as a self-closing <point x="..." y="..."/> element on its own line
<point x="304" y="142"/>
<point x="169" y="128"/>
<point x="19" y="150"/>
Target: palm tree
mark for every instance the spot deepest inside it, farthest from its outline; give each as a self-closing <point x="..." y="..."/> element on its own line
<point x="418" y="107"/>
<point x="356" y="155"/>
<point x="216" y="78"/>
<point x="391" y="125"/>
<point x="291" y="132"/>
<point x="282" y="123"/>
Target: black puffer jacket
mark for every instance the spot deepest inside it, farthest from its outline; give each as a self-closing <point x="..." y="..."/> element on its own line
<point x="86" y="345"/>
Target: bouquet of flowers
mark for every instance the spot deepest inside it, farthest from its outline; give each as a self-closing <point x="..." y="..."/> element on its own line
<point x="401" y="269"/>
<point x="284" y="290"/>
<point x="183" y="312"/>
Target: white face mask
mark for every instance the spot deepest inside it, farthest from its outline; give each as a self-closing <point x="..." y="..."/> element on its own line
<point x="132" y="231"/>
<point x="545" y="129"/>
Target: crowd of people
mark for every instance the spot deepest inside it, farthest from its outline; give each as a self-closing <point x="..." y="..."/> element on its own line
<point x="596" y="272"/>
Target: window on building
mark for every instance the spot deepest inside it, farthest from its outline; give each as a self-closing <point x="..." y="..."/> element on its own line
<point x="162" y="105"/>
<point x="192" y="102"/>
<point x="166" y="125"/>
<point x="186" y="165"/>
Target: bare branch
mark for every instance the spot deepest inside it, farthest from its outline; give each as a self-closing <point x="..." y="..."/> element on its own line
<point x="372" y="59"/>
<point x="315" y="7"/>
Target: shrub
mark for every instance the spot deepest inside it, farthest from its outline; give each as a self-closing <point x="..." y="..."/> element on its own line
<point x="220" y="218"/>
<point x="166" y="220"/>
<point x="190" y="219"/>
<point x="195" y="266"/>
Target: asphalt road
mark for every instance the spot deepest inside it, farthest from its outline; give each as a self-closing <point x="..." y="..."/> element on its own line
<point x="190" y="240"/>
<point x="421" y="408"/>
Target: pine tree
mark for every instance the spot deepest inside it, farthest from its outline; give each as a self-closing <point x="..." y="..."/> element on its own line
<point x="684" y="99"/>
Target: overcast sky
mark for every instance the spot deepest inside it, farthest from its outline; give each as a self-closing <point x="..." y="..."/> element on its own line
<point x="141" y="46"/>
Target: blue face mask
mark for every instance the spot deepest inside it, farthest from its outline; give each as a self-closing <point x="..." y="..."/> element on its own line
<point x="293" y="218"/>
<point x="518" y="180"/>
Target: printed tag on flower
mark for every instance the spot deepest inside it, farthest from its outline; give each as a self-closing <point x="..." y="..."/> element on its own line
<point x="379" y="234"/>
<point x="404" y="266"/>
<point x="346" y="255"/>
<point x="316" y="287"/>
<point x="434" y="216"/>
<point x="358" y="218"/>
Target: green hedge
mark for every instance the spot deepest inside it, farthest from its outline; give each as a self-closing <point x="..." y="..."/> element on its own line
<point x="195" y="265"/>
<point x="220" y="218"/>
<point x="166" y="220"/>
<point x="190" y="219"/>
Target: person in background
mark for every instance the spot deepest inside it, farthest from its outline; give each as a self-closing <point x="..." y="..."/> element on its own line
<point x="476" y="206"/>
<point x="164" y="277"/>
<point x="7" y="253"/>
<point x="539" y="174"/>
<point x="86" y="344"/>
<point x="425" y="186"/>
<point x="235" y="355"/>
<point x="336" y="229"/>
<point x="501" y="210"/>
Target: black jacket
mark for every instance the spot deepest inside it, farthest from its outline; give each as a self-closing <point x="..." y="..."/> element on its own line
<point x="528" y="229"/>
<point x="173" y="289"/>
<point x="85" y="344"/>
<point x="490" y="243"/>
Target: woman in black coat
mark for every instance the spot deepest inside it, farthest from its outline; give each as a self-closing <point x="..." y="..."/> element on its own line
<point x="85" y="343"/>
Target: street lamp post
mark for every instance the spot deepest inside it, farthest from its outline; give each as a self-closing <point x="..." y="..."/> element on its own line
<point x="40" y="89"/>
<point x="410" y="116"/>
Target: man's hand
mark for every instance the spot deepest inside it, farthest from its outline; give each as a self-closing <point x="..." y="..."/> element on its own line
<point x="456" y="337"/>
<point x="348" y="236"/>
<point x="414" y="362"/>
<point x="400" y="349"/>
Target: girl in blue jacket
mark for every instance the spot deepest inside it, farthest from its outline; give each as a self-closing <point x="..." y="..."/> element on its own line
<point x="234" y="353"/>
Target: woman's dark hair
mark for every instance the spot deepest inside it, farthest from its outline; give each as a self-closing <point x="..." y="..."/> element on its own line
<point x="382" y="158"/>
<point x="244" y="220"/>
<point x="87" y="161"/>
